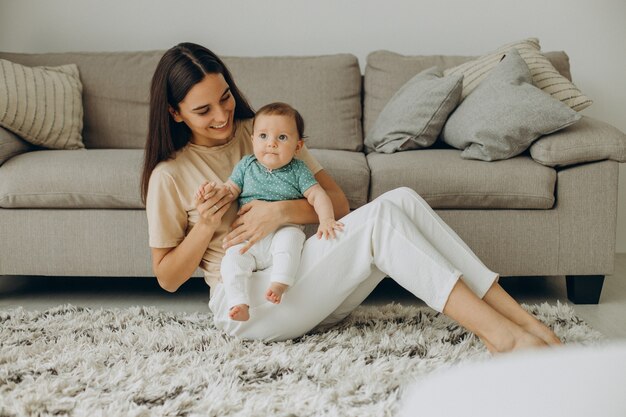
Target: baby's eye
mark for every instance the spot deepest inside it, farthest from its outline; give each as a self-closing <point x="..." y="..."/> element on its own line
<point x="262" y="136"/>
<point x="283" y="138"/>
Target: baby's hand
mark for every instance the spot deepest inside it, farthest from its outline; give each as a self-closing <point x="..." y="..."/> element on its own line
<point x="327" y="228"/>
<point x="209" y="189"/>
<point x="203" y="192"/>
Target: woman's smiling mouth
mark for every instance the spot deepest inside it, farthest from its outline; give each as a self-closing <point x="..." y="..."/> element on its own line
<point x="218" y="127"/>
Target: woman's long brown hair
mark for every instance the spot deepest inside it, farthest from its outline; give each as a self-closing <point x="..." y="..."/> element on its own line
<point x="180" y="68"/>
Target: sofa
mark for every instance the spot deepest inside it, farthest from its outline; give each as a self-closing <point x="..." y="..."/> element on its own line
<point x="79" y="212"/>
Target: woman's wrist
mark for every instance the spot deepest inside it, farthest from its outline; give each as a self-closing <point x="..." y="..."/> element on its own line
<point x="296" y="212"/>
<point x="205" y="227"/>
<point x="283" y="212"/>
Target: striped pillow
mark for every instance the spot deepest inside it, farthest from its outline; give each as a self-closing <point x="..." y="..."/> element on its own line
<point x="43" y="105"/>
<point x="545" y="76"/>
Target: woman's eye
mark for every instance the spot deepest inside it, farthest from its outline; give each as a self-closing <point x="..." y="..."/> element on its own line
<point x="203" y="112"/>
<point x="225" y="97"/>
<point x="283" y="138"/>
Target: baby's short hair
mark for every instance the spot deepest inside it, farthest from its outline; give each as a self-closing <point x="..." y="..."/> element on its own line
<point x="282" y="109"/>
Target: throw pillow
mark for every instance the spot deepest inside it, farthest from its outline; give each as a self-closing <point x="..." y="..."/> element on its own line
<point x="545" y="76"/>
<point x="43" y="105"/>
<point x="11" y="145"/>
<point x="505" y="114"/>
<point x="415" y="114"/>
<point x="586" y="141"/>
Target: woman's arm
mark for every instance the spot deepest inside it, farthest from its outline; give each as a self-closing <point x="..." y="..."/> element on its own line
<point x="257" y="219"/>
<point x="174" y="266"/>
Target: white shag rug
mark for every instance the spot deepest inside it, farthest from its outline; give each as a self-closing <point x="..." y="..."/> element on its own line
<point x="140" y="361"/>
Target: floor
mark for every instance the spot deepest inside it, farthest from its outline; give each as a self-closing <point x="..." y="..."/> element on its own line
<point x="37" y="293"/>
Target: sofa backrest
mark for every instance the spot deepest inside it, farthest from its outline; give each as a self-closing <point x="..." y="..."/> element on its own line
<point x="386" y="72"/>
<point x="116" y="89"/>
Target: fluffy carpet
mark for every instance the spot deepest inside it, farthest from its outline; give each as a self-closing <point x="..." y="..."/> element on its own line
<point x="145" y="362"/>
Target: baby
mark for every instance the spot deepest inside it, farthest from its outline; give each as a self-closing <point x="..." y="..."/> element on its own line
<point x="273" y="174"/>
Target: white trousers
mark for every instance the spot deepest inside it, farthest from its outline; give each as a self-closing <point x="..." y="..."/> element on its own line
<point x="280" y="250"/>
<point x="398" y="234"/>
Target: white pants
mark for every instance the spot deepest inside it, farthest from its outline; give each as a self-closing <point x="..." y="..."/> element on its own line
<point x="280" y="250"/>
<point x="397" y="234"/>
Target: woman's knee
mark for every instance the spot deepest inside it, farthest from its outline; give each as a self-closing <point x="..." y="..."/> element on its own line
<point x="386" y="209"/>
<point x="402" y="194"/>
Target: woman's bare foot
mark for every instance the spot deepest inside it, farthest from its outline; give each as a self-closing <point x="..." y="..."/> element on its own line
<point x="543" y="332"/>
<point x="239" y="312"/>
<point x="517" y="339"/>
<point x="275" y="292"/>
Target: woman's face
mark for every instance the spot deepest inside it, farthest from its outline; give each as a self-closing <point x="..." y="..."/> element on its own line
<point x="208" y="110"/>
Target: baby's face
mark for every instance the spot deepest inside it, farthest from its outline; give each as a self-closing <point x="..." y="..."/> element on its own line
<point x="275" y="140"/>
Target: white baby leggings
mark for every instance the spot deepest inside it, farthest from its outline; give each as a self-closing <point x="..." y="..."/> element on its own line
<point x="397" y="234"/>
<point x="281" y="250"/>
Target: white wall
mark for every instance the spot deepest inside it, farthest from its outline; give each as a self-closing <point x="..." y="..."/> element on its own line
<point x="592" y="33"/>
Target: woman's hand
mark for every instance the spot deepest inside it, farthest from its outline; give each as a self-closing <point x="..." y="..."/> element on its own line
<point x="212" y="201"/>
<point x="256" y="220"/>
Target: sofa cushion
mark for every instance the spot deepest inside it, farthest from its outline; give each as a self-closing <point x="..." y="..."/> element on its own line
<point x="116" y="91"/>
<point x="11" y="145"/>
<point x="43" y="105"/>
<point x="94" y="178"/>
<point x="586" y="141"/>
<point x="387" y="71"/>
<point x="505" y="114"/>
<point x="349" y="170"/>
<point x="544" y="75"/>
<point x="109" y="178"/>
<point x="414" y="116"/>
<point x="326" y="90"/>
<point x="446" y="180"/>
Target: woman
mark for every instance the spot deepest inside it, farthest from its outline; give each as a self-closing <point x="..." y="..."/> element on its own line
<point x="200" y="128"/>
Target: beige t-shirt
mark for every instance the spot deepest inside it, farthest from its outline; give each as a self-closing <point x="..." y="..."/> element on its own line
<point x="173" y="183"/>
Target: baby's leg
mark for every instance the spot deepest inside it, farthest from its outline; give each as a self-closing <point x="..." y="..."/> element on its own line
<point x="286" y="249"/>
<point x="236" y="269"/>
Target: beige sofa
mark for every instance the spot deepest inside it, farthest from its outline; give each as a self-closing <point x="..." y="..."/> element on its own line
<point x="79" y="212"/>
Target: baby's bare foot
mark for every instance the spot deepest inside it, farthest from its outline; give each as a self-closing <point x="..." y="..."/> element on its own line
<point x="275" y="292"/>
<point x="239" y="312"/>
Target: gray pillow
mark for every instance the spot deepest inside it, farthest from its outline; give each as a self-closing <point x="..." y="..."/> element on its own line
<point x="11" y="145"/>
<point x="414" y="116"/>
<point x="588" y="140"/>
<point x="505" y="114"/>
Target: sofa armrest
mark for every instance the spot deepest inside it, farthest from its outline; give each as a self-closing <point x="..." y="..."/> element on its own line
<point x="586" y="141"/>
<point x="11" y="145"/>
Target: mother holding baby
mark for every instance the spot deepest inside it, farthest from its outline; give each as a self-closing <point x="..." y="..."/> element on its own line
<point x="200" y="127"/>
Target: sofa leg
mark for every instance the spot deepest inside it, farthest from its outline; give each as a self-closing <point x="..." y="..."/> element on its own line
<point x="584" y="289"/>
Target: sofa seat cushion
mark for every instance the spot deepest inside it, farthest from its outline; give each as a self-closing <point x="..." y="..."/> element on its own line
<point x="446" y="181"/>
<point x="109" y="178"/>
<point x="88" y="178"/>
<point x="350" y="172"/>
